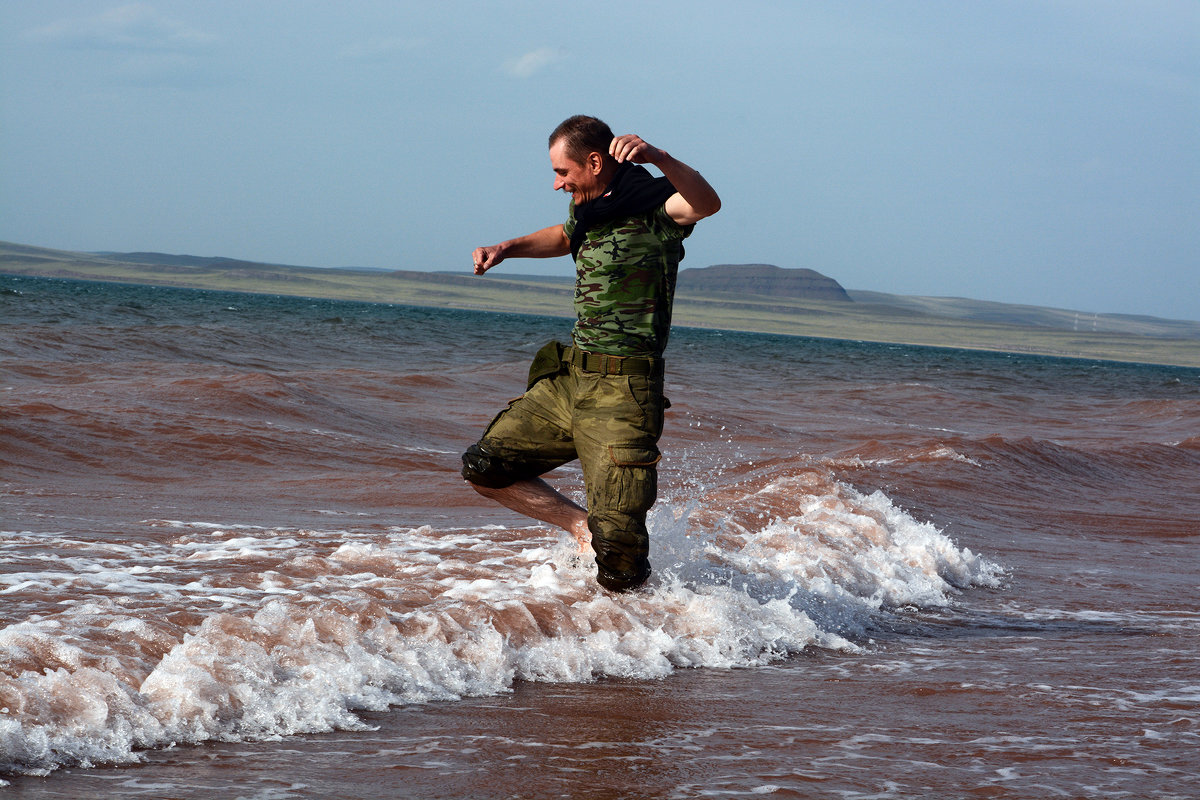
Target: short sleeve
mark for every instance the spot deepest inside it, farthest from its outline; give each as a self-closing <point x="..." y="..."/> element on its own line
<point x="569" y="225"/>
<point x="666" y="228"/>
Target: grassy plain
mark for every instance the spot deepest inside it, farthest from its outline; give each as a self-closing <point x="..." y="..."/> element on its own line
<point x="940" y="322"/>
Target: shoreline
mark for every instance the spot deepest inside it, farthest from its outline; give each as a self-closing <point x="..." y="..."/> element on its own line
<point x="875" y="322"/>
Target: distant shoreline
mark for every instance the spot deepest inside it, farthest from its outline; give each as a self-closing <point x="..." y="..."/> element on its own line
<point x="867" y="316"/>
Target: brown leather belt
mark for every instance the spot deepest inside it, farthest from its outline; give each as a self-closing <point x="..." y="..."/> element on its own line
<point x="614" y="365"/>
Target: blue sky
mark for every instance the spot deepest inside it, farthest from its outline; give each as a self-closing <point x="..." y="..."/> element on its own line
<point x="1043" y="152"/>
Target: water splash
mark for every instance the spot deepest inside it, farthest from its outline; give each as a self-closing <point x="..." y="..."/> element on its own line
<point x="227" y="632"/>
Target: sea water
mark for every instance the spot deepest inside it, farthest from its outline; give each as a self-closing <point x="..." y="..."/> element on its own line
<point x="237" y="559"/>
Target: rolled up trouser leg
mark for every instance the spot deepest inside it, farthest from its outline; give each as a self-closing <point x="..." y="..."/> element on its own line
<point x="528" y="438"/>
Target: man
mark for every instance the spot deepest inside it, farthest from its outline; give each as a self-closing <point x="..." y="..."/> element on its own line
<point x="601" y="399"/>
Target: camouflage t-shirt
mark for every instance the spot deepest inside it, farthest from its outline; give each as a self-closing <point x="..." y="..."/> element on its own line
<point x="625" y="283"/>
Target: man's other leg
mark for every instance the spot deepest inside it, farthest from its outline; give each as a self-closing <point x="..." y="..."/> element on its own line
<point x="531" y="437"/>
<point x="535" y="498"/>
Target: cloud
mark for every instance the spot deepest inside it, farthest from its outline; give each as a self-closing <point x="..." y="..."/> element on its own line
<point x="534" y="61"/>
<point x="380" y="47"/>
<point x="132" y="27"/>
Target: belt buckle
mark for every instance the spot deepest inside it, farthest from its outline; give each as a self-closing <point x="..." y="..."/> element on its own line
<point x="603" y="363"/>
<point x="612" y="365"/>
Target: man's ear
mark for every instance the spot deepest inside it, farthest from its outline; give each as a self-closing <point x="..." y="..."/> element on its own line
<point x="595" y="163"/>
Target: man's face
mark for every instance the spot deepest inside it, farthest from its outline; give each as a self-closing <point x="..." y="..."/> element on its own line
<point x="582" y="181"/>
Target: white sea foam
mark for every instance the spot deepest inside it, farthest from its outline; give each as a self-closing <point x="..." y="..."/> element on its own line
<point x="233" y="632"/>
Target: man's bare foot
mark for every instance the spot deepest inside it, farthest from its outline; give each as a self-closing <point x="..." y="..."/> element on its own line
<point x="583" y="536"/>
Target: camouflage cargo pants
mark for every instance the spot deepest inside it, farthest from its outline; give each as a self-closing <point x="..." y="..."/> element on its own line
<point x="611" y="423"/>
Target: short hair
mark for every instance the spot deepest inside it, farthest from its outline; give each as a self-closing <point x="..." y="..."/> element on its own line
<point x="583" y="135"/>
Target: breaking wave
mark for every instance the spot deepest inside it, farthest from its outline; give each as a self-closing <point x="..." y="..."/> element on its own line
<point x="200" y="631"/>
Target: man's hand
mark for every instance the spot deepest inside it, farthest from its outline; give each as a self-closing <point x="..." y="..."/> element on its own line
<point x="693" y="200"/>
<point x="546" y="243"/>
<point x="632" y="147"/>
<point x="487" y="257"/>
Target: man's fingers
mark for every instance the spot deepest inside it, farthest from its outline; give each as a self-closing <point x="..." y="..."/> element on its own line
<point x="631" y="147"/>
<point x="626" y="148"/>
<point x="480" y="258"/>
<point x="626" y="153"/>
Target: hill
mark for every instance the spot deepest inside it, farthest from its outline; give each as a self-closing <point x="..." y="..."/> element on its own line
<point x="762" y="279"/>
<point x="749" y="297"/>
<point x="1038" y="316"/>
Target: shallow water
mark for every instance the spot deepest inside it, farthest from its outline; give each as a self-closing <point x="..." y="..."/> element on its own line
<point x="237" y="559"/>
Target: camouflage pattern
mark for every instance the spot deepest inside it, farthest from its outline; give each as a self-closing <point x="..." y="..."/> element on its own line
<point x="625" y="284"/>
<point x="611" y="423"/>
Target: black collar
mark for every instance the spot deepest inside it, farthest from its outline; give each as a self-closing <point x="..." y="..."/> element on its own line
<point x="631" y="192"/>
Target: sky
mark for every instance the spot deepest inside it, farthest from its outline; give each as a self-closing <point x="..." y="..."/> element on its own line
<point x="1042" y="152"/>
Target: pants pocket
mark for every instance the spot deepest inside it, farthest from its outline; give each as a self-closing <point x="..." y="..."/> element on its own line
<point x="624" y="455"/>
<point x="546" y="362"/>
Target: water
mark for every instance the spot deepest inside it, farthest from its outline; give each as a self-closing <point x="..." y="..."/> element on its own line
<point x="237" y="560"/>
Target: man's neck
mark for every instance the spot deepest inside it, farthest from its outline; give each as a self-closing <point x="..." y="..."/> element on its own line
<point x="605" y="179"/>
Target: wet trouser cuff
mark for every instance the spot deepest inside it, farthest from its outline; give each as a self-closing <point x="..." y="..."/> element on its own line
<point x="622" y="581"/>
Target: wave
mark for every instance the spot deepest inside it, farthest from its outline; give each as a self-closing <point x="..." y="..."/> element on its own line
<point x="1137" y="471"/>
<point x="199" y="631"/>
<point x="202" y="418"/>
<point x="1101" y="462"/>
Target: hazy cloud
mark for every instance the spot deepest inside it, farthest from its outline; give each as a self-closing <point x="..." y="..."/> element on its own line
<point x="379" y="47"/>
<point x="136" y="26"/>
<point x="534" y="61"/>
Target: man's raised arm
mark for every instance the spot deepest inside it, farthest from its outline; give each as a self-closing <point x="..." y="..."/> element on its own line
<point x="693" y="200"/>
<point x="546" y="243"/>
